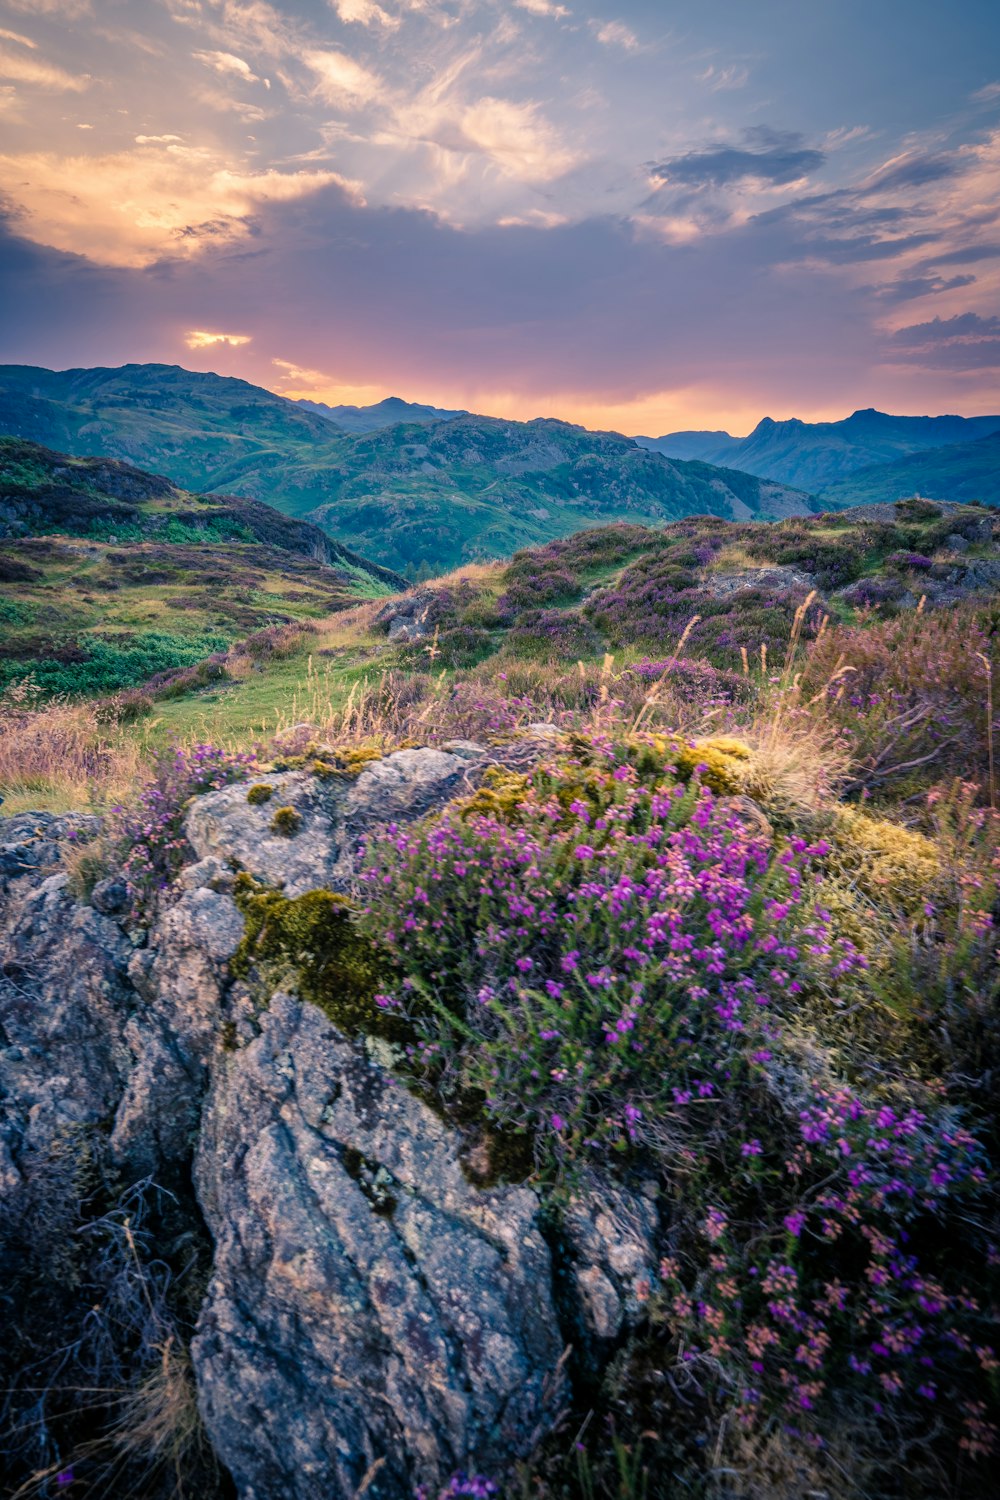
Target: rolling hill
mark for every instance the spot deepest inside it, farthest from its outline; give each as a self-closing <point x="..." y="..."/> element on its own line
<point x="111" y="576"/>
<point x="418" y="497"/>
<point x="960" y="471"/>
<point x="816" y="455"/>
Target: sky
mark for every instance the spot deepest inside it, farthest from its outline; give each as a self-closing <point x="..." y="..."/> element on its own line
<point x="634" y="214"/>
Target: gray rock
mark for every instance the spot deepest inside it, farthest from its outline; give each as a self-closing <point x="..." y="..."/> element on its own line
<point x="410" y="617"/>
<point x="174" y="1034"/>
<point x="613" y="1237"/>
<point x="110" y="896"/>
<point x="774" y="578"/>
<point x="372" y="1315"/>
<point x="65" y="999"/>
<point x="334" y="813"/>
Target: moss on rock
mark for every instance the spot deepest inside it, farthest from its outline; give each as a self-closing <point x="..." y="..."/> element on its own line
<point x="310" y="944"/>
<point x="286" y="821"/>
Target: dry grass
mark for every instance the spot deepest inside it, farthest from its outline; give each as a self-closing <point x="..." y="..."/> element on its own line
<point x="481" y="574"/>
<point x="62" y="757"/>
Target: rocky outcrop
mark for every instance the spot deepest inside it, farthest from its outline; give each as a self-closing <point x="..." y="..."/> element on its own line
<point x="333" y="814"/>
<point x="374" y="1319"/>
<point x="775" y="579"/>
<point x="399" y="1319"/>
<point x="410" y="618"/>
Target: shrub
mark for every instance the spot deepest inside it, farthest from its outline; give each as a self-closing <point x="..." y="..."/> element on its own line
<point x="150" y="834"/>
<point x="616" y="964"/>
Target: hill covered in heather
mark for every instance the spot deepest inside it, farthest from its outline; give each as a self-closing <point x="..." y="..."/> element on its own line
<point x="577" y="1016"/>
<point x="418" y="497"/>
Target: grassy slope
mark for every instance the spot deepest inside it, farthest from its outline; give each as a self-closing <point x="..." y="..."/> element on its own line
<point x="111" y="575"/>
<point x="961" y="471"/>
<point x="628" y="590"/>
<point x="416" y="498"/>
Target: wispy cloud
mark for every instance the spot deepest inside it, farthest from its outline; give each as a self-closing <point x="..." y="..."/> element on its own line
<point x="544" y="8"/>
<point x="340" y="80"/>
<point x="615" y="34"/>
<point x="365" y="13"/>
<point x="776" y="157"/>
<point x="37" y="73"/>
<point x="15" y="36"/>
<point x="720" y="80"/>
<point x="228" y="63"/>
<point x="68" y="9"/>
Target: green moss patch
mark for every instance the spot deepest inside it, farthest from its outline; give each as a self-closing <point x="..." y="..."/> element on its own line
<point x="310" y="944"/>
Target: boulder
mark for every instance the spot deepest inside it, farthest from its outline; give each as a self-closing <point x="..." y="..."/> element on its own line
<point x="374" y="1321"/>
<point x="333" y="813"/>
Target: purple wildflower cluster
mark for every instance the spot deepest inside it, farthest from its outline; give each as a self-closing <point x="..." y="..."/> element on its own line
<point x="462" y="1486"/>
<point x="617" y="934"/>
<point x="151" y="832"/>
<point x="618" y="967"/>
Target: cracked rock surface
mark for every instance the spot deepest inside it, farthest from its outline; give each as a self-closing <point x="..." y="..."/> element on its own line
<point x="373" y="1319"/>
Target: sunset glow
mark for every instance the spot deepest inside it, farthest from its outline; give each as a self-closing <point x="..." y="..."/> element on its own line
<point x="642" y="219"/>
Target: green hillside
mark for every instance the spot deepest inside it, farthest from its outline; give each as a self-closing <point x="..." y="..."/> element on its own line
<point x="111" y="576"/>
<point x="817" y="455"/>
<point x="961" y="471"/>
<point x="417" y="498"/>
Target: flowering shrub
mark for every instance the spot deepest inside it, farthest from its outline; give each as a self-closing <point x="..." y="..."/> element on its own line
<point x="616" y="965"/>
<point x="151" y="833"/>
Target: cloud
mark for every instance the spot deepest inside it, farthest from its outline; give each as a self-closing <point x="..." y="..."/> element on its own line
<point x="965" y="255"/>
<point x="720" y="80"/>
<point x="779" y="158"/>
<point x="963" y="326"/>
<point x="131" y="208"/>
<point x="987" y="94"/>
<point x="517" y="138"/>
<point x="910" y="288"/>
<point x="36" y="72"/>
<point x="365" y="12"/>
<point x="199" y="339"/>
<point x="340" y="80"/>
<point x="543" y="8"/>
<point x="915" y="170"/>
<point x="68" y="9"/>
<point x="227" y="63"/>
<point x="15" y="36"/>
<point x="964" y="342"/>
<point x="615" y="34"/>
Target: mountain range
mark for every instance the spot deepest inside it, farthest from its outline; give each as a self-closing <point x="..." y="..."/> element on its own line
<point x="815" y="455"/>
<point x="422" y="489"/>
<point x="418" y="497"/>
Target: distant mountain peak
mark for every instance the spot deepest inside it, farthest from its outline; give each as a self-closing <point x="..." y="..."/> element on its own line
<point x="814" y="455"/>
<point x="384" y="413"/>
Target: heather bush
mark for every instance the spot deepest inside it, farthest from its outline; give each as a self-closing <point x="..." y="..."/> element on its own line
<point x="912" y="699"/>
<point x="151" y="833"/>
<point x="618" y="965"/>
